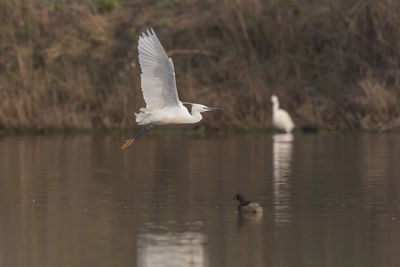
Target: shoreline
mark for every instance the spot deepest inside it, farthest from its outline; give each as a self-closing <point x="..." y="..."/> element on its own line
<point x="173" y="131"/>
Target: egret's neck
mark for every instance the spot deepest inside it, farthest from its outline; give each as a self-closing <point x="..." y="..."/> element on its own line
<point x="275" y="106"/>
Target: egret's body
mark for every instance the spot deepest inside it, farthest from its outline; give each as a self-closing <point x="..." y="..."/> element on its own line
<point x="169" y="115"/>
<point x="280" y="118"/>
<point x="159" y="89"/>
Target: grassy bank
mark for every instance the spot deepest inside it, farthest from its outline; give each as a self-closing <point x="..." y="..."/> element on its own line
<point x="73" y="64"/>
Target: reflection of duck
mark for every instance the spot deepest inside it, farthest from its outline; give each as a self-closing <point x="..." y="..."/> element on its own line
<point x="280" y="118"/>
<point x="247" y="208"/>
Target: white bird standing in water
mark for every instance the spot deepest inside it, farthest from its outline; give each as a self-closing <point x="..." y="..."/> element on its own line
<point x="159" y="89"/>
<point x="280" y="118"/>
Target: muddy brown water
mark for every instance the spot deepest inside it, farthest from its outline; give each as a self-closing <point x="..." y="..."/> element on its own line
<point x="329" y="200"/>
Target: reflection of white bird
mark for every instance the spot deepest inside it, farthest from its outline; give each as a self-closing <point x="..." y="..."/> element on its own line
<point x="171" y="249"/>
<point x="280" y="118"/>
<point x="159" y="89"/>
<point x="282" y="159"/>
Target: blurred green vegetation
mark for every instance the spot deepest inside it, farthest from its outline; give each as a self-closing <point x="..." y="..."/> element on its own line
<point x="73" y="64"/>
<point x="106" y="5"/>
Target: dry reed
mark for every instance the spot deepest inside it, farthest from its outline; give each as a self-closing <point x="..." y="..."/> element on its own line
<point x="334" y="64"/>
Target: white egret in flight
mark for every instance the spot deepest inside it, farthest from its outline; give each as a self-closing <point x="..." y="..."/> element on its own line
<point x="159" y="89"/>
<point x="280" y="118"/>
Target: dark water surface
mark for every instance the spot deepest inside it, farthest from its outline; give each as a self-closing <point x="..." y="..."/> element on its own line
<point x="329" y="200"/>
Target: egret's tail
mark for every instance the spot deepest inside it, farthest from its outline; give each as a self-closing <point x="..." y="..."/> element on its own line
<point x="141" y="117"/>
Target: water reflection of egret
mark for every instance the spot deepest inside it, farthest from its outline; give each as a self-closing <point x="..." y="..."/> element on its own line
<point x="171" y="249"/>
<point x="282" y="157"/>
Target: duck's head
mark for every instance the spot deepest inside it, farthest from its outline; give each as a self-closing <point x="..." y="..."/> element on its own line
<point x="240" y="197"/>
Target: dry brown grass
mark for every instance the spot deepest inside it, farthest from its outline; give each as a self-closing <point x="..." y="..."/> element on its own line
<point x="334" y="64"/>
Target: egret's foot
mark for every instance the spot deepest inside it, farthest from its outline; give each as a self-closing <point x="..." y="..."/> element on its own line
<point x="127" y="143"/>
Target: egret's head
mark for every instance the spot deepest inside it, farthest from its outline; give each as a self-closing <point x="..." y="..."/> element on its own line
<point x="274" y="99"/>
<point x="201" y="108"/>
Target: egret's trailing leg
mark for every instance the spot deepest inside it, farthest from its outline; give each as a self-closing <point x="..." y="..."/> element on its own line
<point x="130" y="141"/>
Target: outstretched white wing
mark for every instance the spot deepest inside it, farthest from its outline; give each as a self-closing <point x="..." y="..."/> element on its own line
<point x="158" y="75"/>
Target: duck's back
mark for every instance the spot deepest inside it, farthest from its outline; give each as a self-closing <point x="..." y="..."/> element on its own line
<point x="248" y="208"/>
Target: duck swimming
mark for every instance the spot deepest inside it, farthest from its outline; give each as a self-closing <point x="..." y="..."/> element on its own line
<point x="248" y="208"/>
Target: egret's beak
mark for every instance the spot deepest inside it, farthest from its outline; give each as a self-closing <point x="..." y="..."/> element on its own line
<point x="209" y="109"/>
